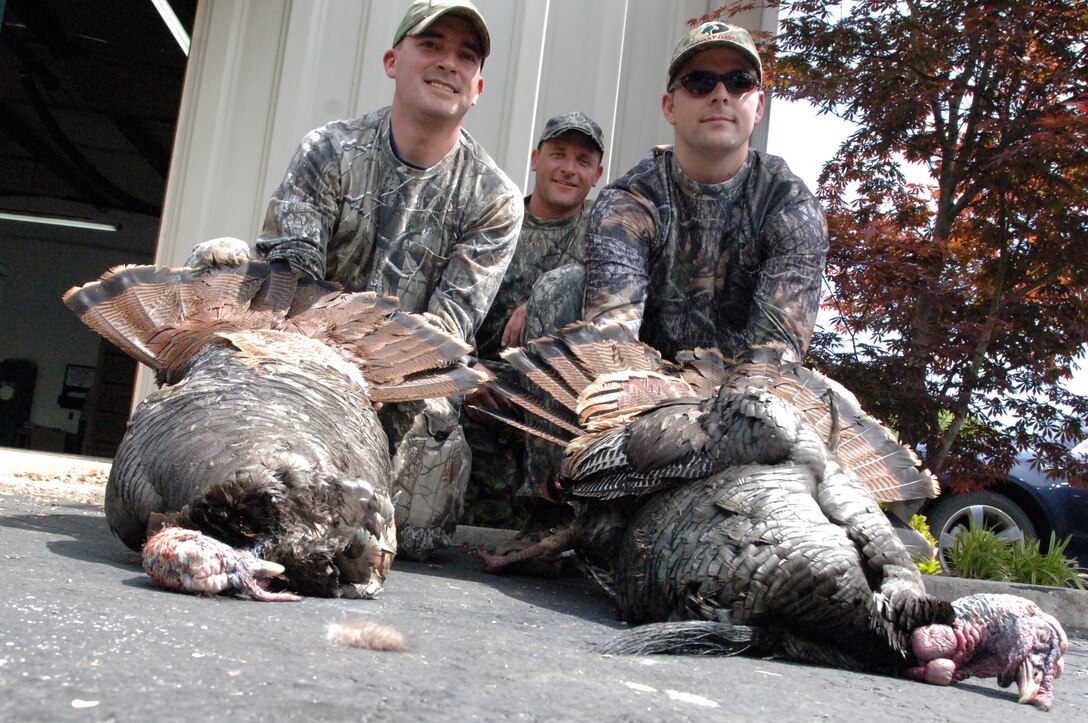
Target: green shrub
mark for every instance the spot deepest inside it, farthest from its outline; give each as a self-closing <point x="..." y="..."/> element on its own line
<point x="982" y="555"/>
<point x="1028" y="565"/>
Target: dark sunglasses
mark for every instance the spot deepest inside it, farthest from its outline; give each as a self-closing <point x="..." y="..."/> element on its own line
<point x="703" y="82"/>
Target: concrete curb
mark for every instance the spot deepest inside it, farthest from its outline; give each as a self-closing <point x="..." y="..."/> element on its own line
<point x="1068" y="605"/>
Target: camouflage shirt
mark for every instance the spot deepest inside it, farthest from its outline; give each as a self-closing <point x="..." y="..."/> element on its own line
<point x="727" y="265"/>
<point x="544" y="244"/>
<point x="438" y="238"/>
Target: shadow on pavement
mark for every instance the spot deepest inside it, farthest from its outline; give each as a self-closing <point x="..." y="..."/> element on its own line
<point x="90" y="539"/>
<point x="570" y="594"/>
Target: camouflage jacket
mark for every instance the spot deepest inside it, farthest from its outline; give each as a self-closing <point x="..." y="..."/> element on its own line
<point x="439" y="238"/>
<point x="544" y="244"/>
<point x="686" y="264"/>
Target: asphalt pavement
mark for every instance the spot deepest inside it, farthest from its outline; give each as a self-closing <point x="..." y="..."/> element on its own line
<point x="86" y="636"/>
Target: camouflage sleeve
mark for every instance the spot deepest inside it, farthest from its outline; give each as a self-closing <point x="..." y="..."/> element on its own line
<point x="617" y="258"/>
<point x="478" y="261"/>
<point x="787" y="296"/>
<point x="304" y="209"/>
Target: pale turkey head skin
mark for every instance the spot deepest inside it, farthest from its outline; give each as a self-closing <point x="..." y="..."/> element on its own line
<point x="995" y="636"/>
<point x="190" y="561"/>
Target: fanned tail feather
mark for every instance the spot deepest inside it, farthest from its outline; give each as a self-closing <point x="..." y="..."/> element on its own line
<point x="404" y="345"/>
<point x="218" y="294"/>
<point x="626" y="393"/>
<point x="890" y="470"/>
<point x="628" y="352"/>
<point x="562" y="418"/>
<point x="113" y="308"/>
<point x="346" y="318"/>
<point x="609" y="378"/>
<point x="162" y="317"/>
<point x="553" y="353"/>
<point x="272" y="301"/>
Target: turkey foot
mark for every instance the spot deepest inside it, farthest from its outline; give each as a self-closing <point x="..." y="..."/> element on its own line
<point x="547" y="549"/>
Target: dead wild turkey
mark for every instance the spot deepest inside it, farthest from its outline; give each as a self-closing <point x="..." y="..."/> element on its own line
<point x="735" y="498"/>
<point x="264" y="435"/>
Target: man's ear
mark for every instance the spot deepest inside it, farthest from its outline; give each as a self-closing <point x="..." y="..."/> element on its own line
<point x="532" y="159"/>
<point x="479" y="90"/>
<point x="389" y="60"/>
<point x="667" y="108"/>
<point x="762" y="105"/>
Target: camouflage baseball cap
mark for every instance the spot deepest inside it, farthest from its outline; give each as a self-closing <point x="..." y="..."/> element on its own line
<point x="572" y="122"/>
<point x="710" y="35"/>
<point x="422" y="13"/>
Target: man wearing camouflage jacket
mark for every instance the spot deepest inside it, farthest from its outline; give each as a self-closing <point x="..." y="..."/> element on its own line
<point x="707" y="242"/>
<point x="567" y="165"/>
<point x="403" y="201"/>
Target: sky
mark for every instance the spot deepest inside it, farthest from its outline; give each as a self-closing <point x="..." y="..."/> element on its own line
<point x="807" y="141"/>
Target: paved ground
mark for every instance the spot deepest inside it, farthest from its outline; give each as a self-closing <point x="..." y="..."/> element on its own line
<point x="85" y="636"/>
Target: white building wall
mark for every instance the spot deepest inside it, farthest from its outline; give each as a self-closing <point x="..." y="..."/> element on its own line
<point x="263" y="73"/>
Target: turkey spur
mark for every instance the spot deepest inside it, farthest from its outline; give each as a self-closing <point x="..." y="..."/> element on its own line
<point x="732" y="504"/>
<point x="263" y="435"/>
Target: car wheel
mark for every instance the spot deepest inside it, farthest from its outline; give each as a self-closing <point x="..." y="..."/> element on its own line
<point x="953" y="514"/>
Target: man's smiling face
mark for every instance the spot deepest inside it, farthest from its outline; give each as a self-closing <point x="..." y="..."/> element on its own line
<point x="438" y="72"/>
<point x="566" y="167"/>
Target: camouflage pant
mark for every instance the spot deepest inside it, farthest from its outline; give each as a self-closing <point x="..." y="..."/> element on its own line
<point x="431" y="462"/>
<point x="555" y="302"/>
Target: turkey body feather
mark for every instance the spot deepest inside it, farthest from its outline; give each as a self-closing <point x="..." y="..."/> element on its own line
<point x="754" y="546"/>
<point x="264" y="436"/>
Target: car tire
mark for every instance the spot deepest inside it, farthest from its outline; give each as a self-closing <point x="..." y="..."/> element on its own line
<point x="952" y="514"/>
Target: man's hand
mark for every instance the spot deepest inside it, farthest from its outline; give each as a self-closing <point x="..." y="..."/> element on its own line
<point x="514" y="332"/>
<point x="483" y="397"/>
<point x="224" y="251"/>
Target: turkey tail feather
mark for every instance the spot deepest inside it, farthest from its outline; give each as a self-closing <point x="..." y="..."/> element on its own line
<point x="890" y="470"/>
<point x="537" y="408"/>
<point x="137" y="307"/>
<point x="427" y="385"/>
<point x="530" y="427"/>
<point x="115" y="307"/>
<point x="403" y="345"/>
<point x="162" y="317"/>
<point x="687" y="637"/>
<point x="542" y="376"/>
<point x="607" y="377"/>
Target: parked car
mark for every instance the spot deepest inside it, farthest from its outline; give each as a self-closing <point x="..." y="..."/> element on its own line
<point x="1026" y="504"/>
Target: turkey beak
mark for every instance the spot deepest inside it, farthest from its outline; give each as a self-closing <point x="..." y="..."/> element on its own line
<point x="1029" y="687"/>
<point x="266" y="568"/>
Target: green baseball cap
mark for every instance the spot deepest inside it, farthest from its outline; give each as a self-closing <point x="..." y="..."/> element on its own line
<point x="422" y="13"/>
<point x="573" y="122"/>
<point x="710" y="35"/>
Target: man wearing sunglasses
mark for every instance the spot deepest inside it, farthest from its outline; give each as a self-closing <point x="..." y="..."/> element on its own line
<point x="708" y="242"/>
